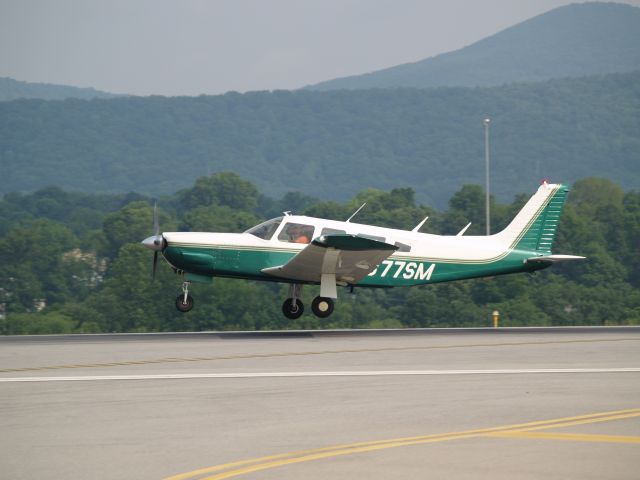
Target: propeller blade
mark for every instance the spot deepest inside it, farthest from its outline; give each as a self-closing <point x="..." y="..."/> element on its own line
<point x="156" y="223"/>
<point x="155" y="263"/>
<point x="156" y="242"/>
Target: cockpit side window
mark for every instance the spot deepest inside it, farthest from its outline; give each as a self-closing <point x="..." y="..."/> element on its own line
<point x="265" y="230"/>
<point x="372" y="237"/>
<point x="403" y="247"/>
<point x="296" y="233"/>
<point x="332" y="231"/>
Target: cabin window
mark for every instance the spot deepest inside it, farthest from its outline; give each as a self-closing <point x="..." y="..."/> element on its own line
<point x="403" y="247"/>
<point x="296" y="233"/>
<point x="266" y="229"/>
<point x="371" y="237"/>
<point x="332" y="231"/>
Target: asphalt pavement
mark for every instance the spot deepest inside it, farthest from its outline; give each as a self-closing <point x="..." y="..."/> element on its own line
<point x="455" y="403"/>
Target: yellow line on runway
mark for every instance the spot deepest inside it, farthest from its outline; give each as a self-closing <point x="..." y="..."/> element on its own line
<point x="576" y="437"/>
<point x="295" y="354"/>
<point x="229" y="470"/>
<point x="612" y="416"/>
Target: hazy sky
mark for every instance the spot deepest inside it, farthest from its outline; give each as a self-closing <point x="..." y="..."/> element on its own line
<point x="190" y="47"/>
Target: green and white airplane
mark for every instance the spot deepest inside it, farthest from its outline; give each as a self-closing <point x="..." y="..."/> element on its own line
<point x="301" y="250"/>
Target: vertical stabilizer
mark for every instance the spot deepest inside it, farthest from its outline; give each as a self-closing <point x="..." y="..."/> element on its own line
<point x="534" y="228"/>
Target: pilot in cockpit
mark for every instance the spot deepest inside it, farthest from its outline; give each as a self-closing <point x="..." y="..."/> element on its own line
<point x="297" y="233"/>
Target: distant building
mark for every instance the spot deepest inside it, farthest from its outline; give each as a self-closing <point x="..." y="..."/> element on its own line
<point x="39" y="304"/>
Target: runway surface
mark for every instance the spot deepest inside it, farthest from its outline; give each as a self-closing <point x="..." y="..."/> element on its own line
<point x="499" y="404"/>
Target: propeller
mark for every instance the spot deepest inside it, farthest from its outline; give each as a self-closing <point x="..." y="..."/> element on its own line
<point x="155" y="264"/>
<point x="155" y="242"/>
<point x="156" y="232"/>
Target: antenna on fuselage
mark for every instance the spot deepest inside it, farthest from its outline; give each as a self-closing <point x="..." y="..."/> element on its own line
<point x="417" y="227"/>
<point x="356" y="212"/>
<point x="461" y="232"/>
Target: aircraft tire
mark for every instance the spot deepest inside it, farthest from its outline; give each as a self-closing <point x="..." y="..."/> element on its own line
<point x="181" y="305"/>
<point x="292" y="311"/>
<point x="322" y="307"/>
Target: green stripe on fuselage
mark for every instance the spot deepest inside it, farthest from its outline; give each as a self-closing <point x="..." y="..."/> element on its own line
<point x="396" y="271"/>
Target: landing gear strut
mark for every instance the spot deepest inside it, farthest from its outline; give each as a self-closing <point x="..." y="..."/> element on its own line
<point x="293" y="307"/>
<point x="184" y="301"/>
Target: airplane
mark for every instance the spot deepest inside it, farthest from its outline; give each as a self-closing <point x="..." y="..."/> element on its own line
<point x="301" y="250"/>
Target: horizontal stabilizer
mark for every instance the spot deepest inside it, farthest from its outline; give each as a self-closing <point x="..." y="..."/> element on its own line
<point x="549" y="259"/>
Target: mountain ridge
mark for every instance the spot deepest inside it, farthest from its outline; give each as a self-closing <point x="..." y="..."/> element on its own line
<point x="12" y="89"/>
<point x="330" y="144"/>
<point x="569" y="41"/>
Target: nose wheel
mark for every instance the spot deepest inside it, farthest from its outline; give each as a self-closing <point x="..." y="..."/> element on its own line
<point x="184" y="301"/>
<point x="184" y="305"/>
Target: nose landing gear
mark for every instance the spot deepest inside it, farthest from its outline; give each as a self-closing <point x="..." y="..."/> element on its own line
<point x="184" y="301"/>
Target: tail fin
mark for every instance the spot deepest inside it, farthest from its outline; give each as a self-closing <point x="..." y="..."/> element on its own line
<point x="534" y="228"/>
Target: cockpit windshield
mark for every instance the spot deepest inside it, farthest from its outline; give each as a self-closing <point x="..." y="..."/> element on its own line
<point x="266" y="229"/>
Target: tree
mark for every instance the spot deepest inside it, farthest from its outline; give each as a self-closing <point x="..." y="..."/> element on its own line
<point x="217" y="218"/>
<point x="35" y="265"/>
<point x="130" y="300"/>
<point x="591" y="196"/>
<point x="131" y="224"/>
<point x="221" y="189"/>
<point x="466" y="205"/>
<point x="46" y="260"/>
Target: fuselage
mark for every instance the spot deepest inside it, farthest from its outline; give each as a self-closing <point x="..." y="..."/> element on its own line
<point x="421" y="257"/>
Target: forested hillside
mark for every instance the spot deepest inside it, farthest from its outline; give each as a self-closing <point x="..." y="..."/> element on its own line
<point x="72" y="262"/>
<point x="329" y="144"/>
<point x="574" y="40"/>
<point x="11" y="89"/>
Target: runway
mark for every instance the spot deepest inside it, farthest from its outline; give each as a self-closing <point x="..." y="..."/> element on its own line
<point x="515" y="403"/>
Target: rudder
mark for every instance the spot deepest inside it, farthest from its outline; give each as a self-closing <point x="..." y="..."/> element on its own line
<point x="535" y="226"/>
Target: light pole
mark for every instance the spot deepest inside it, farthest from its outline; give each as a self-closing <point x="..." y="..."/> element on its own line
<point x="486" y="172"/>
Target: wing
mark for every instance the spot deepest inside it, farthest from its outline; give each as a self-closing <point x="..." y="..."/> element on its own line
<point x="348" y="258"/>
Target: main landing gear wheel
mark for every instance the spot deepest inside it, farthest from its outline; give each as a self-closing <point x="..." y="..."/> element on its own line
<point x="183" y="306"/>
<point x="322" y="307"/>
<point x="292" y="309"/>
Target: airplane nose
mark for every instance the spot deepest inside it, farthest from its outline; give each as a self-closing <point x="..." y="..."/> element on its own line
<point x="155" y="243"/>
